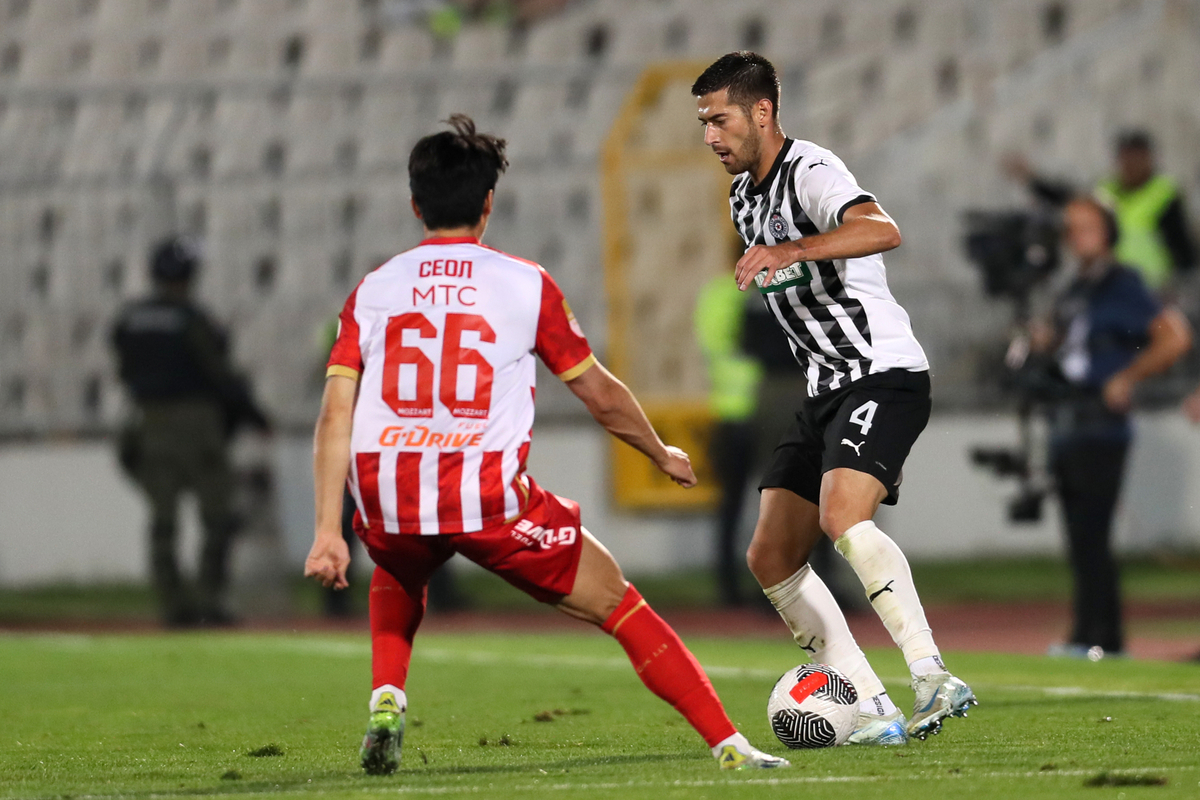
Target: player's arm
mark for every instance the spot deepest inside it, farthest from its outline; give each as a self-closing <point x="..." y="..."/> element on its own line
<point x="330" y="556"/>
<point x="610" y="403"/>
<point x="1170" y="337"/>
<point x="866" y="229"/>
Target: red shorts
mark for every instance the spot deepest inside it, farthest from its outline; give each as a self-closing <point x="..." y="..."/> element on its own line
<point x="538" y="552"/>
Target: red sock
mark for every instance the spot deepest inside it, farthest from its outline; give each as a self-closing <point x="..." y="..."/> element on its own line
<point x="667" y="667"/>
<point x="395" y="617"/>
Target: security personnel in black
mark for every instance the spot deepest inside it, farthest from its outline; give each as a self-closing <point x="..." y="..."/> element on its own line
<point x="188" y="401"/>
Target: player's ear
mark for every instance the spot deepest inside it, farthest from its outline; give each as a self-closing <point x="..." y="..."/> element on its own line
<point x="763" y="111"/>
<point x="415" y="208"/>
<point x="487" y="203"/>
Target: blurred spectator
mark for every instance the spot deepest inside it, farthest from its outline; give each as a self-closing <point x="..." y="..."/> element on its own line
<point x="734" y="378"/>
<point x="188" y="402"/>
<point x="1108" y="333"/>
<point x="1149" y="209"/>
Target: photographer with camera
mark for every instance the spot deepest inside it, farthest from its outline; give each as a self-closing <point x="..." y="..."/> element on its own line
<point x="1107" y="334"/>
<point x="1147" y="206"/>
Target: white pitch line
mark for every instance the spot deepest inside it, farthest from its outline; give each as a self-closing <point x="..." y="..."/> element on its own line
<point x="757" y="673"/>
<point x="345" y="649"/>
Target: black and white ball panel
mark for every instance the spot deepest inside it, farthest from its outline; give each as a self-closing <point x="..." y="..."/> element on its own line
<point x="803" y="729"/>
<point x="813" y="705"/>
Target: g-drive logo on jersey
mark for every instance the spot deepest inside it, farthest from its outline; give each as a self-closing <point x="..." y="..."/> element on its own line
<point x="797" y="274"/>
<point x="527" y="533"/>
<point x="420" y="436"/>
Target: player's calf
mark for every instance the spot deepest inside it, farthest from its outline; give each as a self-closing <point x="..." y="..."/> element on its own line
<point x="661" y="660"/>
<point x="669" y="670"/>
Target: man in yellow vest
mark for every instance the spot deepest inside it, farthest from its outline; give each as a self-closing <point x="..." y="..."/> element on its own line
<point x="734" y="378"/>
<point x="1154" y="235"/>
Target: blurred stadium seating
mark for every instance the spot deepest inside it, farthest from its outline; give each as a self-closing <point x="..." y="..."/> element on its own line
<point x="277" y="130"/>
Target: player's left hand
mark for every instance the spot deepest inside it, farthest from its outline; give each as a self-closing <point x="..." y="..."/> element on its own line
<point x="328" y="560"/>
<point x="1118" y="393"/>
<point x="771" y="258"/>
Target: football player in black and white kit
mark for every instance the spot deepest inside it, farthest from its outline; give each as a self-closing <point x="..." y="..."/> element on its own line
<point x="813" y="244"/>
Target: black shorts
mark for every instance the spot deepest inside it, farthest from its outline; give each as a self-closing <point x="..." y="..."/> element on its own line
<point x="868" y="426"/>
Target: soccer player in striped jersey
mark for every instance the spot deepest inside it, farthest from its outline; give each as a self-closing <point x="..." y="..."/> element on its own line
<point x="428" y="410"/>
<point x="814" y="241"/>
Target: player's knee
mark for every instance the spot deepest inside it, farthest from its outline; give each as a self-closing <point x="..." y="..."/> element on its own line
<point x="832" y="522"/>
<point x="838" y="519"/>
<point x="753" y="558"/>
<point x="611" y="599"/>
<point x="762" y="559"/>
<point x="602" y="603"/>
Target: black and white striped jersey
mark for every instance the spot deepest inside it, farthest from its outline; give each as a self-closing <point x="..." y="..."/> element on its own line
<point x="839" y="316"/>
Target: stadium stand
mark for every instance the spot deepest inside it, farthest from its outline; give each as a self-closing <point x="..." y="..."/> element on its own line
<point x="278" y="130"/>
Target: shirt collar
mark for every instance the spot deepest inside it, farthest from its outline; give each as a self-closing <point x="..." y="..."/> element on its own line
<point x="449" y="240"/>
<point x="767" y="181"/>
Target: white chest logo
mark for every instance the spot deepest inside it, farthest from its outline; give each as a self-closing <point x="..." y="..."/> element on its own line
<point x="778" y="227"/>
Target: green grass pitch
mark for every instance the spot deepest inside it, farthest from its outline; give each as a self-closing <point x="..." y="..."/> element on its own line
<point x="180" y="716"/>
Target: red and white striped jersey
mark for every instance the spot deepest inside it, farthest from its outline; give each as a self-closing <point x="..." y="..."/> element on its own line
<point x="442" y="338"/>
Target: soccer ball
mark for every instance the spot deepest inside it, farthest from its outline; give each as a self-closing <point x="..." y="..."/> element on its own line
<point x="813" y="705"/>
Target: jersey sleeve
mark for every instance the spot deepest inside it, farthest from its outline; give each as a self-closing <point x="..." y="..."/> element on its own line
<point x="826" y="189"/>
<point x="345" y="358"/>
<point x="560" y="341"/>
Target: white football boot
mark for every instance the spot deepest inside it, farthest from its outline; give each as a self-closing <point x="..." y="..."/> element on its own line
<point x="736" y="752"/>
<point x="938" y="696"/>
<point x="874" y="729"/>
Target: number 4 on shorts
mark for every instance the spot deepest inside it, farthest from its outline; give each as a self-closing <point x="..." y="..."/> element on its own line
<point x="863" y="415"/>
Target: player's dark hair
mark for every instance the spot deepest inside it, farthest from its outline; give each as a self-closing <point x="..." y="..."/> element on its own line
<point x="450" y="173"/>
<point x="747" y="77"/>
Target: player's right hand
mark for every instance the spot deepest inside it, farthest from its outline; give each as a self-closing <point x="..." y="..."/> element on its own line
<point x="678" y="467"/>
<point x="328" y="560"/>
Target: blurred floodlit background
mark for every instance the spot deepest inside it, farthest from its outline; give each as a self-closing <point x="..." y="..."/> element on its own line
<point x="276" y="133"/>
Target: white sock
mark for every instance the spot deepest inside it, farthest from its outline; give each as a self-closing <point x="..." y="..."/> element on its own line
<point x="885" y="575"/>
<point x="880" y="705"/>
<point x="927" y="666"/>
<point x="401" y="698"/>
<point x="818" y="626"/>
<point x="737" y="740"/>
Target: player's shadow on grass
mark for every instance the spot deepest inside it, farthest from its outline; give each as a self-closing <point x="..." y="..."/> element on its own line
<point x="572" y="763"/>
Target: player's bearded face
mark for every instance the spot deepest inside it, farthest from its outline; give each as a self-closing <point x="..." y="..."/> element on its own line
<point x="744" y="155"/>
<point x="729" y="131"/>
